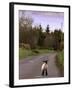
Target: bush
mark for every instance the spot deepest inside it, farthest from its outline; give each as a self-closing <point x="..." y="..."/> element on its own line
<point x="35" y="51"/>
<point x="26" y="46"/>
<point x="60" y="62"/>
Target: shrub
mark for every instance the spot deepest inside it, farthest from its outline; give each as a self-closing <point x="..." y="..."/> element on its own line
<point x="60" y="61"/>
<point x="26" y="46"/>
<point x="35" y="51"/>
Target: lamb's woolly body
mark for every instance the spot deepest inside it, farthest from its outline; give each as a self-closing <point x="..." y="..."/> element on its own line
<point x="44" y="66"/>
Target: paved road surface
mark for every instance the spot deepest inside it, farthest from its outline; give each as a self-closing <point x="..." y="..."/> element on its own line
<point x="31" y="67"/>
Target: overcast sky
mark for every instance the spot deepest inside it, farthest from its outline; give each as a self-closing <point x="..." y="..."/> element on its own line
<point x="54" y="19"/>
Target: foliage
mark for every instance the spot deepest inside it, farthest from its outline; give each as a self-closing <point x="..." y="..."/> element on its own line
<point x="61" y="58"/>
<point x="47" y="29"/>
<point x="35" y="38"/>
<point x="23" y="53"/>
<point x="60" y="61"/>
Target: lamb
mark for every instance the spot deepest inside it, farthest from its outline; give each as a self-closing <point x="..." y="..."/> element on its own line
<point x="44" y="68"/>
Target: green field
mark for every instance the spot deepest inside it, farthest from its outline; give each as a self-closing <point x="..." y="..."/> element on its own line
<point x="23" y="53"/>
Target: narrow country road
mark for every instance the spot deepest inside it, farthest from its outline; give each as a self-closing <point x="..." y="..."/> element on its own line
<point x="31" y="67"/>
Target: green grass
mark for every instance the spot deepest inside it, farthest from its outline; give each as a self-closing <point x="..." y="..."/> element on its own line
<point x="60" y="62"/>
<point x="61" y="58"/>
<point x="23" y="53"/>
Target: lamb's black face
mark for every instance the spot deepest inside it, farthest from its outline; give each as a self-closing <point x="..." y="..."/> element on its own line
<point x="45" y="62"/>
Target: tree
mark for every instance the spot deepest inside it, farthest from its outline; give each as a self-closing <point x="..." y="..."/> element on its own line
<point x="41" y="36"/>
<point x="47" y="29"/>
<point x="25" y="25"/>
<point x="58" y="39"/>
<point x="40" y="27"/>
<point x="49" y="41"/>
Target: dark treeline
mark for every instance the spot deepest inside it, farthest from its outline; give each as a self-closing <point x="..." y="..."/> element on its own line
<point x="34" y="37"/>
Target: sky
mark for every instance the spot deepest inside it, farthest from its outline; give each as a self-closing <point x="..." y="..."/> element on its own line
<point x="54" y="19"/>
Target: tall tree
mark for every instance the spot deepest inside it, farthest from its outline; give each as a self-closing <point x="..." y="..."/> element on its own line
<point x="58" y="39"/>
<point x="47" y="29"/>
<point x="41" y="36"/>
<point x="25" y="25"/>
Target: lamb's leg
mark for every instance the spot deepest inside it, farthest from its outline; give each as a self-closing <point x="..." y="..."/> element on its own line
<point x="42" y="72"/>
<point x="46" y="72"/>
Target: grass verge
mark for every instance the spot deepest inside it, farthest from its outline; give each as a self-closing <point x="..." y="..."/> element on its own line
<point x="23" y="53"/>
<point x="60" y="62"/>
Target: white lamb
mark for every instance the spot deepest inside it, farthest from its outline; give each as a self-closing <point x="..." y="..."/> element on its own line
<point x="44" y="68"/>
